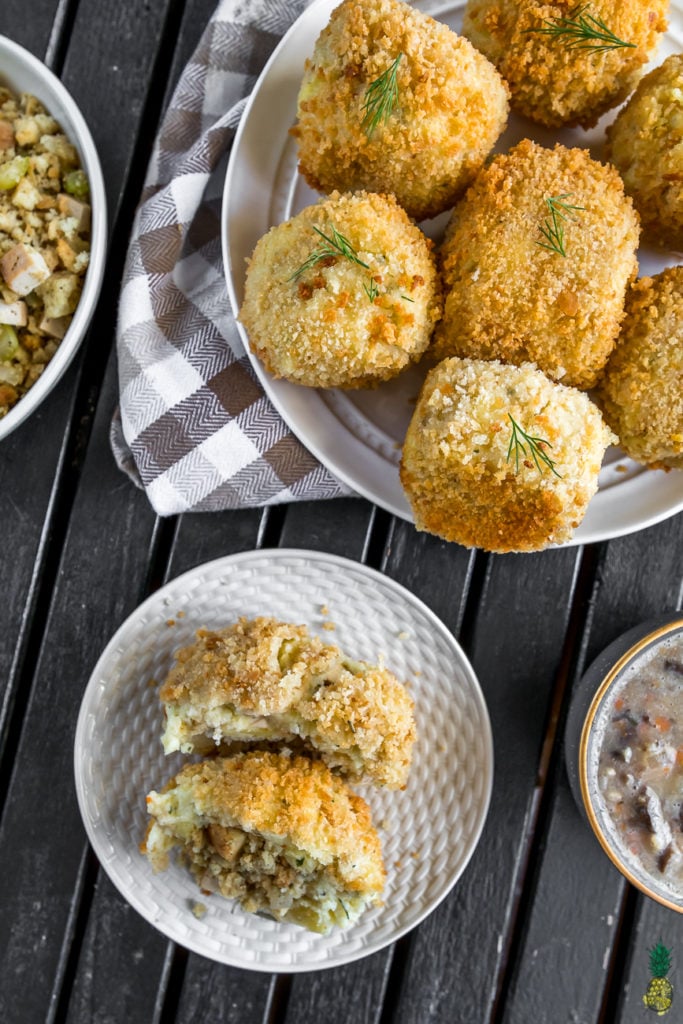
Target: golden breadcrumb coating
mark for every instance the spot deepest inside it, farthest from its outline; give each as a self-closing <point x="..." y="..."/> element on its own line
<point x="279" y="833"/>
<point x="339" y="323"/>
<point x="646" y="144"/>
<point x="460" y="471"/>
<point x="508" y="297"/>
<point x="558" y="79"/>
<point x="451" y="106"/>
<point x="264" y="680"/>
<point x="641" y="391"/>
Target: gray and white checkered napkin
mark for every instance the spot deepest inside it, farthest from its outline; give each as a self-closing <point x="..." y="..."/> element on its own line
<point x="195" y="427"/>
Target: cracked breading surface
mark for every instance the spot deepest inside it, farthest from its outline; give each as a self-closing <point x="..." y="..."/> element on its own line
<point x="452" y="106"/>
<point x="645" y="142"/>
<point x="322" y="327"/>
<point x="279" y="833"/>
<point x="455" y="467"/>
<point x="264" y="680"/>
<point x="507" y="297"/>
<point x="551" y="83"/>
<point x="641" y="388"/>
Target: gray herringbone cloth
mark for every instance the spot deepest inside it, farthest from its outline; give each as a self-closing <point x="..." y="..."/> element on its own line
<point x="195" y="428"/>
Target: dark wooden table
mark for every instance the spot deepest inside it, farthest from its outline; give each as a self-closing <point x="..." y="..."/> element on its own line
<point x="541" y="928"/>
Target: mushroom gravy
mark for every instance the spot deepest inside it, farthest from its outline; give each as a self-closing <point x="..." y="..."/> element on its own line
<point x="640" y="764"/>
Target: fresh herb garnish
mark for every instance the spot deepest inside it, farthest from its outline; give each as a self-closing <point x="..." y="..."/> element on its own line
<point x="518" y="444"/>
<point x="336" y="245"/>
<point x="381" y="98"/>
<point x="553" y="229"/>
<point x="581" y="31"/>
<point x="371" y="290"/>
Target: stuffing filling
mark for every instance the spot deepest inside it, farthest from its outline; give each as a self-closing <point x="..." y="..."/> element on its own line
<point x="44" y="241"/>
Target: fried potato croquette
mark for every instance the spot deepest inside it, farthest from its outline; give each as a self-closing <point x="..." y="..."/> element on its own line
<point x="281" y="834"/>
<point x="499" y="457"/>
<point x="641" y="388"/>
<point x="566" y="63"/>
<point x="393" y="101"/>
<point x="536" y="262"/>
<point x="264" y="680"/>
<point x="345" y="294"/>
<point x="645" y="142"/>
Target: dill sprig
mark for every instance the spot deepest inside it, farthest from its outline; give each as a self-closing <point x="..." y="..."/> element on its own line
<point x="336" y="245"/>
<point x="371" y="290"/>
<point x="581" y="31"/>
<point x="518" y="444"/>
<point x="553" y="229"/>
<point x="381" y="98"/>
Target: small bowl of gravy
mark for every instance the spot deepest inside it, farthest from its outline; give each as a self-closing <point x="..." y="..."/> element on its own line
<point x="624" y="749"/>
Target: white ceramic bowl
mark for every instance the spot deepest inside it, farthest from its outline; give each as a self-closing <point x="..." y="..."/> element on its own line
<point x="22" y="72"/>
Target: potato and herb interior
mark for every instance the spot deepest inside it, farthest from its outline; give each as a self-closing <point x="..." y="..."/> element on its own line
<point x="44" y="241"/>
<point x="281" y="834"/>
<point x="262" y="680"/>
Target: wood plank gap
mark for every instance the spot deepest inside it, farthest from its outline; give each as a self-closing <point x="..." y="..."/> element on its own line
<point x="616" y="970"/>
<point x="478" y="574"/>
<point x="270" y="527"/>
<point x="74" y="934"/>
<point x="582" y="593"/>
<point x="163" y="539"/>
<point x="170" y="985"/>
<point x="395" y="974"/>
<point x="60" y="35"/>
<point x="278" y="999"/>
<point x="377" y="538"/>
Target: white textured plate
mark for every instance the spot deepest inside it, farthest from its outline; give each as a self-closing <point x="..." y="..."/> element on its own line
<point x="358" y="434"/>
<point x="428" y="831"/>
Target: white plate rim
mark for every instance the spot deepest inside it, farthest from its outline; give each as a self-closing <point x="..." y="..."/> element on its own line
<point x="612" y="513"/>
<point x="321" y="559"/>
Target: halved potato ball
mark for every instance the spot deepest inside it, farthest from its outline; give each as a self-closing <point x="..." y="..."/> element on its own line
<point x="393" y="101"/>
<point x="499" y="457"/>
<point x="536" y="262"/>
<point x="566" y="63"/>
<point x="265" y="680"/>
<point x="281" y="834"/>
<point x="641" y="389"/>
<point x="646" y="145"/>
<point x="345" y="294"/>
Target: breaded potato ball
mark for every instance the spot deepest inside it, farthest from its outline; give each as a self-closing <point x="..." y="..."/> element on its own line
<point x="536" y="262"/>
<point x="641" y="390"/>
<point x="393" y="101"/>
<point x="345" y="294"/>
<point x="281" y="834"/>
<point x="499" y="457"/>
<point x="566" y="63"/>
<point x="261" y="679"/>
<point x="645" y="142"/>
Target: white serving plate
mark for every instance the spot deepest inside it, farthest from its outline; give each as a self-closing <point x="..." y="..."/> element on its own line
<point x="428" y="831"/>
<point x="358" y="435"/>
<point x="23" y="72"/>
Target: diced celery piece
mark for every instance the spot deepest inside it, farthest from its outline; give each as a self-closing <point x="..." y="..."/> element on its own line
<point x="76" y="184"/>
<point x="12" y="171"/>
<point x="9" y="343"/>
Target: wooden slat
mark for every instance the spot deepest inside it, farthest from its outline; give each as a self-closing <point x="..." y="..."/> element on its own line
<point x="31" y="27"/>
<point x="456" y="957"/>
<point x="574" y="914"/>
<point x="39" y="462"/>
<point x="102" y="577"/>
<point x="41" y="836"/>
